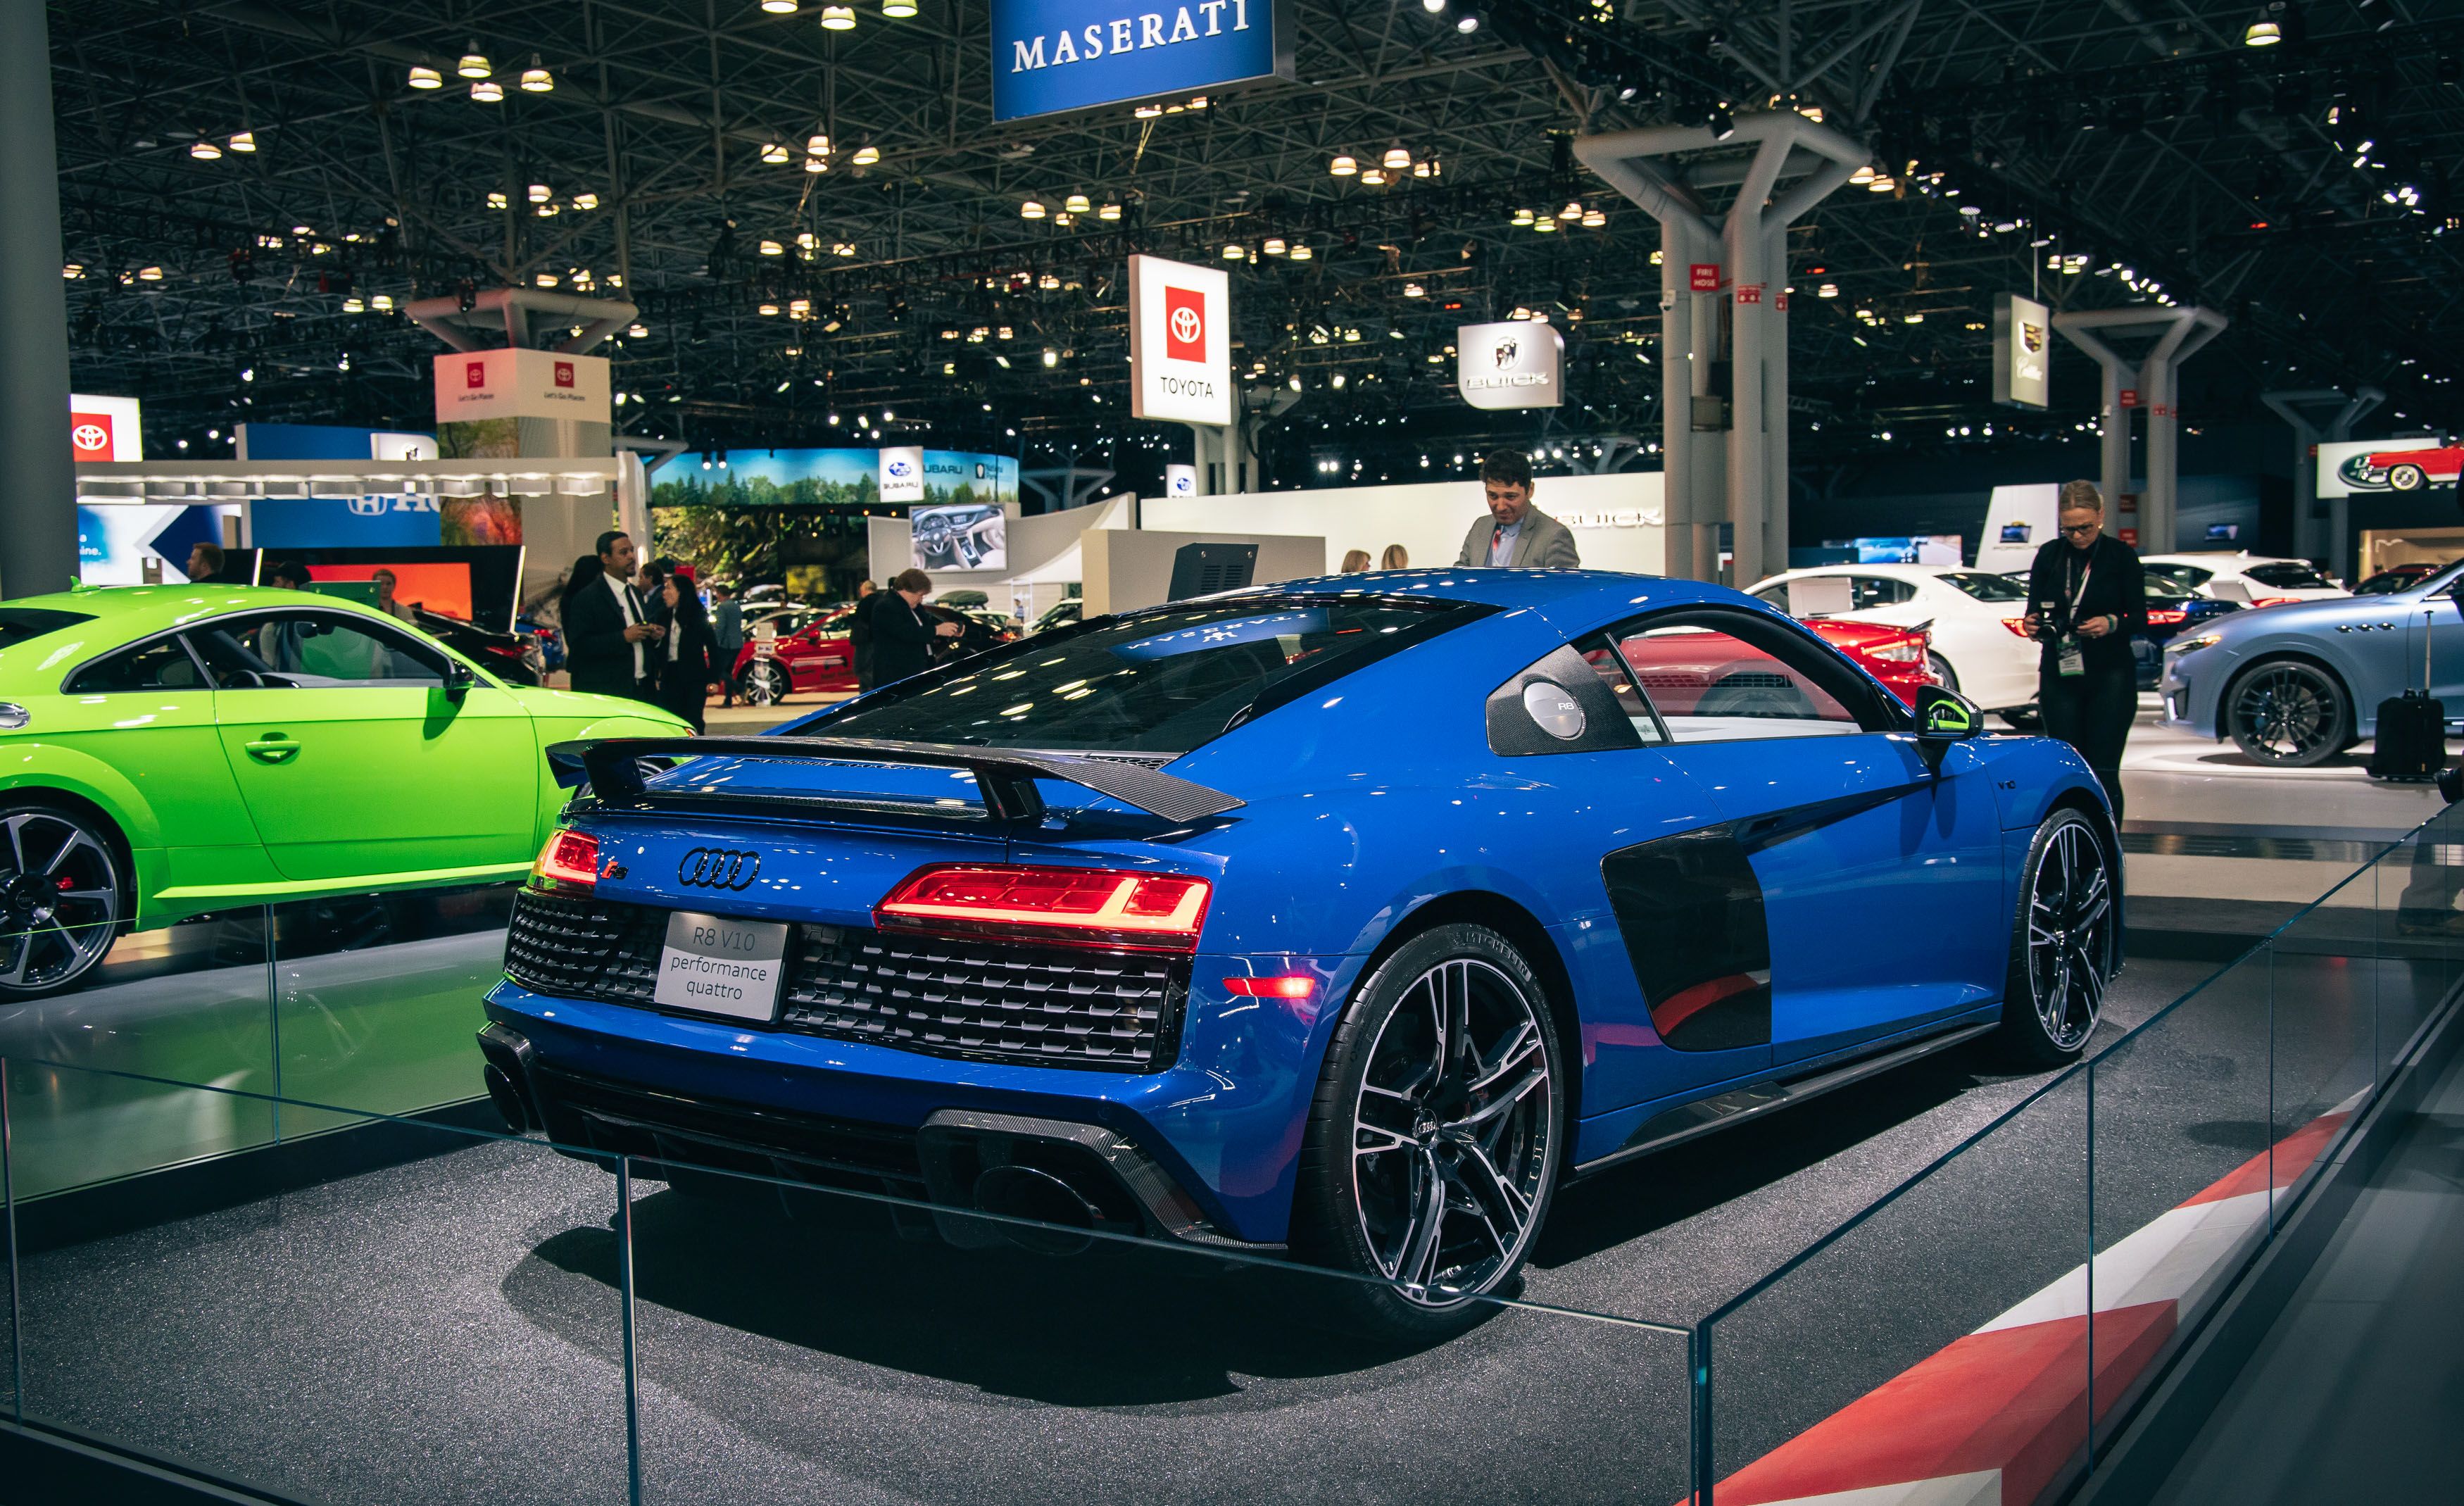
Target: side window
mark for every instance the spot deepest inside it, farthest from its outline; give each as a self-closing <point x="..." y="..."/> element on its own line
<point x="1599" y="651"/>
<point x="1879" y="590"/>
<point x="1775" y="595"/>
<point x="1711" y="686"/>
<point x="160" y="665"/>
<point x="1575" y="700"/>
<point x="292" y="648"/>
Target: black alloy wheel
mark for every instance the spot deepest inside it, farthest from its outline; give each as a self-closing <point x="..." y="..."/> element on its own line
<point x="2288" y="714"/>
<point x="60" y="900"/>
<point x="1434" y="1142"/>
<point x="2063" y="945"/>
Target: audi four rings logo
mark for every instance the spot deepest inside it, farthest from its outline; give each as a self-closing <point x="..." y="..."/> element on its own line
<point x="718" y="868"/>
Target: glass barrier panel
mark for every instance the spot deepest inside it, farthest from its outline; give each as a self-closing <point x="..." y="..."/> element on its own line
<point x="378" y="996"/>
<point x="388" y="1312"/>
<point x="2180" y="1130"/>
<point x="799" y="1342"/>
<point x="1939" y="1337"/>
<point x="2420" y="927"/>
<point x="185" y="1001"/>
<point x="2324" y="1029"/>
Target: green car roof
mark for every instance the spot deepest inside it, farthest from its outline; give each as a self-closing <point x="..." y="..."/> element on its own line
<point x="105" y="616"/>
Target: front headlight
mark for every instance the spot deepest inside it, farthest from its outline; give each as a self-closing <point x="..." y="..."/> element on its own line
<point x="2205" y="640"/>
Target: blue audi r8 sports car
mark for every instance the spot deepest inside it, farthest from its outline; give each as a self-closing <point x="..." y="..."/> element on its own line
<point x="1348" y="918"/>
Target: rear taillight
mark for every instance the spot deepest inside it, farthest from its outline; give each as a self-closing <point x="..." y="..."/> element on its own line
<point x="2272" y="601"/>
<point x="2018" y="627"/>
<point x="2166" y="617"/>
<point x="570" y="860"/>
<point x="1900" y="651"/>
<point x="1072" y="906"/>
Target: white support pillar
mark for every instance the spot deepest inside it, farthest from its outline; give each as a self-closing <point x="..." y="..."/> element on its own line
<point x="2180" y="334"/>
<point x="1742" y="480"/>
<point x="2326" y="539"/>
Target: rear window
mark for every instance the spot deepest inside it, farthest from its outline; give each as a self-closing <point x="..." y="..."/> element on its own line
<point x="17" y="624"/>
<point x="2289" y="576"/>
<point x="1986" y="587"/>
<point x="1161" y="681"/>
<point x="2180" y="579"/>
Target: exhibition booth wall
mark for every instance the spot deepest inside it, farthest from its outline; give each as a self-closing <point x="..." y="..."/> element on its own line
<point x="255" y="1233"/>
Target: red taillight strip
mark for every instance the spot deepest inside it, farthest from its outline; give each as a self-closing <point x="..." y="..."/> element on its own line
<point x="570" y="859"/>
<point x="1145" y="911"/>
<point x="1290" y="986"/>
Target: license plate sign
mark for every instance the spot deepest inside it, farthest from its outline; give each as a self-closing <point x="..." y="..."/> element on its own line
<point x="712" y="965"/>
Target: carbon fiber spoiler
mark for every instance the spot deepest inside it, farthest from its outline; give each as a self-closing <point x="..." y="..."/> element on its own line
<point x="1006" y="776"/>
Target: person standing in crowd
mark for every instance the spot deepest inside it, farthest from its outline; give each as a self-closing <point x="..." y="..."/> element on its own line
<point x="1515" y="532"/>
<point x="607" y="634"/>
<point x="655" y="574"/>
<point x="205" y="566"/>
<point x="727" y="637"/>
<point x="860" y="634"/>
<point x="387" y="603"/>
<point x="685" y="669"/>
<point x="1354" y="560"/>
<point x="290" y="575"/>
<point x="2087" y="595"/>
<point x="1394" y="559"/>
<point x="902" y="635"/>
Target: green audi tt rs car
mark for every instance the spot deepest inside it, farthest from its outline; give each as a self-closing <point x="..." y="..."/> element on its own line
<point x="169" y="750"/>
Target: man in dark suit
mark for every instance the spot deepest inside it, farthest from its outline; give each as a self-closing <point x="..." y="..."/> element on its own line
<point x="1515" y="532"/>
<point x="902" y="635"/>
<point x="860" y="632"/>
<point x="607" y="630"/>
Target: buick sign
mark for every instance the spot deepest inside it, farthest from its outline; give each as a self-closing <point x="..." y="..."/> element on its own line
<point x="1513" y="365"/>
<point x="1074" y="54"/>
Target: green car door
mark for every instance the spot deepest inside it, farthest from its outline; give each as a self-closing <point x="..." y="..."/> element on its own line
<point x="363" y="751"/>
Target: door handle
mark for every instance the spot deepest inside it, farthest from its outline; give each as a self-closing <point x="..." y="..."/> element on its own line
<point x="273" y="748"/>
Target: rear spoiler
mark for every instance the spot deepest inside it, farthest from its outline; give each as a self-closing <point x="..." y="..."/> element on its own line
<point x="612" y="766"/>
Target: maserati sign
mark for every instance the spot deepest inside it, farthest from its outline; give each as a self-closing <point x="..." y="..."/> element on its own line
<point x="1513" y="365"/>
<point x="1180" y="341"/>
<point x="1073" y="54"/>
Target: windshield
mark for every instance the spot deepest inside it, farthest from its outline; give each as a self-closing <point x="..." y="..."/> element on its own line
<point x="2289" y="575"/>
<point x="17" y="624"/>
<point x="1986" y="587"/>
<point x="1160" y="681"/>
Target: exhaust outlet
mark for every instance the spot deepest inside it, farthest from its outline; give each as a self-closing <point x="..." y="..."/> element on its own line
<point x="507" y="1098"/>
<point x="1015" y="1191"/>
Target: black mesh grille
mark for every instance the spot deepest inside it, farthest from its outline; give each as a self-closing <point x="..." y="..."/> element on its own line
<point x="1057" y="1006"/>
<point x="584" y="948"/>
<point x="992" y="1000"/>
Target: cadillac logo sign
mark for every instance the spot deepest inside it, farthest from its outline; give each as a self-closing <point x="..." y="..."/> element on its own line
<point x="718" y="868"/>
<point x="1513" y="365"/>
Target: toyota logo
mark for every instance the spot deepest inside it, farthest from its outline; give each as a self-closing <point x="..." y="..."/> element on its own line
<point x="90" y="436"/>
<point x="718" y="868"/>
<point x="1184" y="323"/>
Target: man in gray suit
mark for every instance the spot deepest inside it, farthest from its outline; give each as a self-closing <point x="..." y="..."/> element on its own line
<point x="1515" y="532"/>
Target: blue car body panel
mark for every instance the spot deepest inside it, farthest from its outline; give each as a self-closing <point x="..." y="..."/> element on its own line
<point x="2373" y="645"/>
<point x="1887" y="889"/>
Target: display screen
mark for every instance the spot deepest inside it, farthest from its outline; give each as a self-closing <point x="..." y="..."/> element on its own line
<point x="444" y="589"/>
<point x="962" y="536"/>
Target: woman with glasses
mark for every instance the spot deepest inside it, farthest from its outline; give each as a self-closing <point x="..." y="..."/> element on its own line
<point x="2087" y="595"/>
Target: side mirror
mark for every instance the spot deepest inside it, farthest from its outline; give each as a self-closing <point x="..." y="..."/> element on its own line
<point x="458" y="680"/>
<point x="1945" y="717"/>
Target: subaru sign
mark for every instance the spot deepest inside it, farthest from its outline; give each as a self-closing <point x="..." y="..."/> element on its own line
<point x="902" y="474"/>
<point x="1050" y="55"/>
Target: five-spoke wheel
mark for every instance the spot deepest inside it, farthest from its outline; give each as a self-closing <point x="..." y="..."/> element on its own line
<point x="2062" y="946"/>
<point x="1434" y="1142"/>
<point x="2289" y="714"/>
<point x="60" y="899"/>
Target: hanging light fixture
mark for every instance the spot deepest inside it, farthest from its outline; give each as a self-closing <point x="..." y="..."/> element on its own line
<point x="354" y="306"/>
<point x="842" y="248"/>
<point x="1343" y="167"/>
<point x="149" y="273"/>
<point x="423" y="77"/>
<point x="1424" y="170"/>
<point x="1396" y="158"/>
<point x="1077" y="204"/>
<point x="770" y="311"/>
<point x="1414" y="290"/>
<point x="1232" y="252"/>
<point x="487" y="91"/>
<point x="1522" y="216"/>
<point x="1372" y="177"/>
<point x="774" y="153"/>
<point x="497" y="201"/>
<point x="898" y="10"/>
<point x="780" y="6"/>
<point x="1108" y="212"/>
<point x="540" y="193"/>
<point x="545" y="279"/>
<point x="1273" y="246"/>
<point x="1545" y="224"/>
<point x="474" y="64"/>
<point x="1593" y="219"/>
<point x="585" y="201"/>
<point x="1031" y="210"/>
<point x="1147" y="112"/>
<point x="771" y="247"/>
<point x="1049" y="282"/>
<point x="244" y="141"/>
<point x="536" y="79"/>
<point x="205" y="150"/>
<point x="838" y="18"/>
<point x="814" y="164"/>
<point x="1301" y="252"/>
<point x="383" y="302"/>
<point x="867" y="155"/>
<point x="817" y="144"/>
<point x="2263" y="31"/>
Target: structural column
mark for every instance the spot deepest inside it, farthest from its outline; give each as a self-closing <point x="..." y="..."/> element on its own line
<point x="2335" y="547"/>
<point x="39" y="542"/>
<point x="2180" y="334"/>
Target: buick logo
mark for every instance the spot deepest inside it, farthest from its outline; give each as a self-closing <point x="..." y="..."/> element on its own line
<point x="718" y="868"/>
<point x="1505" y="352"/>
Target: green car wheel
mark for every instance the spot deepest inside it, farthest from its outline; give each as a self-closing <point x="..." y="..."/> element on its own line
<point x="60" y="900"/>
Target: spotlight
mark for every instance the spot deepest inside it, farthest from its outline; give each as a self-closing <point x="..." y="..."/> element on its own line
<point x="1722" y="123"/>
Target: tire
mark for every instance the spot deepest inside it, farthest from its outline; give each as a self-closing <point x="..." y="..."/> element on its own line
<point x="2063" y="944"/>
<point x="765" y="683"/>
<point x="2406" y="478"/>
<point x="1941" y="671"/>
<point x="2288" y="714"/>
<point x="63" y="898"/>
<point x="1417" y="1150"/>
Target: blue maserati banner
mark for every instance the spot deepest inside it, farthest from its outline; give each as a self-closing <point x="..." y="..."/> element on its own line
<point x="1072" y="54"/>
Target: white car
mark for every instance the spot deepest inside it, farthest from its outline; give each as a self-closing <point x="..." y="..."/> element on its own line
<point x="1977" y="647"/>
<point x="2257" y="580"/>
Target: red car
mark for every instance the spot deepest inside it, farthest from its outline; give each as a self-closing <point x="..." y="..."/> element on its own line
<point x="1680" y="670"/>
<point x="2411" y="470"/>
<point x="812" y="654"/>
<point x="1897" y="656"/>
